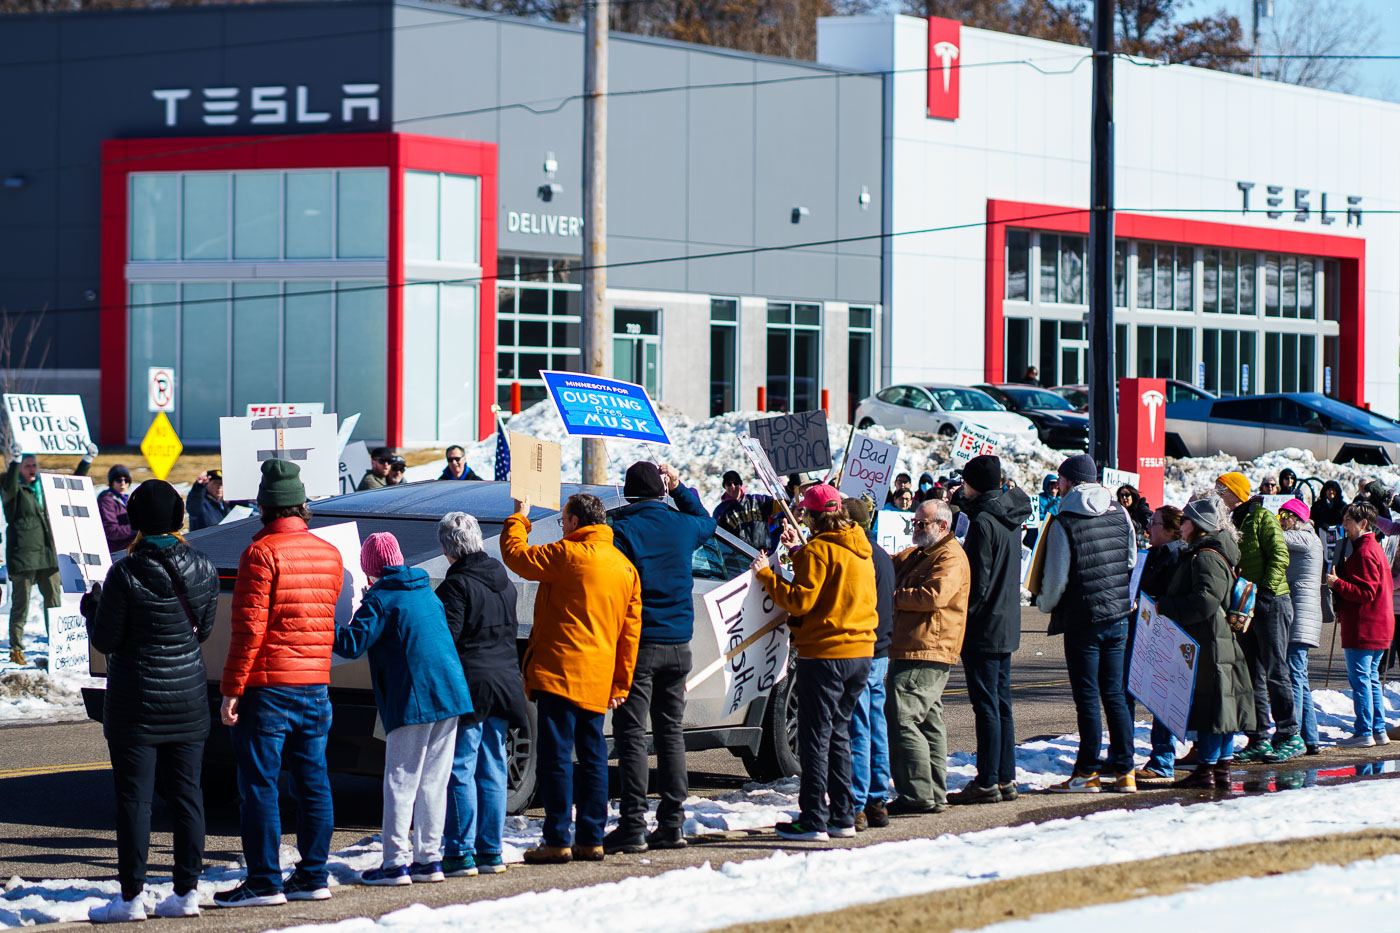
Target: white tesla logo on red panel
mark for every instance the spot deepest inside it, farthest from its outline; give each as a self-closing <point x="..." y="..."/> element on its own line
<point x="947" y="53"/>
<point x="1153" y="400"/>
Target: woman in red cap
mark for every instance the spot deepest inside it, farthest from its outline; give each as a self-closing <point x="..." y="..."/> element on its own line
<point x="832" y="602"/>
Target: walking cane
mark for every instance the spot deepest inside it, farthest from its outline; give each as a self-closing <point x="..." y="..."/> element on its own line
<point x="1332" y="651"/>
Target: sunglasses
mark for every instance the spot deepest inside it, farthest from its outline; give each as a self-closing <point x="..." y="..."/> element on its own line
<point x="454" y="459"/>
<point x="920" y="523"/>
<point x="382" y="460"/>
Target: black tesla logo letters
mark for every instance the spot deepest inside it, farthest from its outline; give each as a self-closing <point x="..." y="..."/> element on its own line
<point x="280" y="451"/>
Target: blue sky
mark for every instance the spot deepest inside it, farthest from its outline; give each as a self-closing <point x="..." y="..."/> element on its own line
<point x="1374" y="78"/>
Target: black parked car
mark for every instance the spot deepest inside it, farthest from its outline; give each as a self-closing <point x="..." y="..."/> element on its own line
<point x="1055" y="419"/>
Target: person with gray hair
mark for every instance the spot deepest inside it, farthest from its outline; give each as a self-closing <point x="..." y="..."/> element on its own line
<point x="480" y="602"/>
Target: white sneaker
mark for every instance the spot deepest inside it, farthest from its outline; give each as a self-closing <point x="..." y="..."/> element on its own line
<point x="1358" y="741"/>
<point x="176" y="905"/>
<point x="119" y="911"/>
<point x="1381" y="738"/>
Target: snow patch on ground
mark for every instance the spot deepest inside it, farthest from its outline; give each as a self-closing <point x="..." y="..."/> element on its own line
<point x="31" y="694"/>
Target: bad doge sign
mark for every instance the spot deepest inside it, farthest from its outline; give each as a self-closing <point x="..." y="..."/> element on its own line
<point x="596" y="406"/>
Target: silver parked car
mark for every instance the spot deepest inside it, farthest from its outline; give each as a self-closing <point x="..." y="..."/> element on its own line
<point x="937" y="408"/>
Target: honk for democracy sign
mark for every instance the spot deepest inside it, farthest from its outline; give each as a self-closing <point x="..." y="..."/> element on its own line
<point x="595" y="406"/>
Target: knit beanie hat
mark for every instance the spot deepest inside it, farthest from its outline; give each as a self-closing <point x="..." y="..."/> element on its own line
<point x="155" y="508"/>
<point x="822" y="498"/>
<point x="732" y="478"/>
<point x="380" y="550"/>
<point x="859" y="510"/>
<point x="280" y="485"/>
<point x="983" y="473"/>
<point x="1298" y="508"/>
<point x="1203" y="514"/>
<point x="1237" y="483"/>
<point x="1080" y="469"/>
<point x="116" y="471"/>
<point x="643" y="481"/>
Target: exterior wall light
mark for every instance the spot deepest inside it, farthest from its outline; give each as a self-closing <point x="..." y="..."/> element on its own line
<point x="798" y="213"/>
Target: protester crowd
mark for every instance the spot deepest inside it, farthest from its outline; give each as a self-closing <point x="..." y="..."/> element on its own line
<point x="875" y="637"/>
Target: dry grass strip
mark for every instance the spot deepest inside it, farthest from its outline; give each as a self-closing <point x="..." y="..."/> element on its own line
<point x="976" y="906"/>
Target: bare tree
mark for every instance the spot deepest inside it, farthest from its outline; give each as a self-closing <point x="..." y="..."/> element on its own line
<point x="22" y="355"/>
<point x="1311" y="40"/>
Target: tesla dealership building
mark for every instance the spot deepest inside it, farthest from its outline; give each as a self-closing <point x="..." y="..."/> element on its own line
<point x="377" y="205"/>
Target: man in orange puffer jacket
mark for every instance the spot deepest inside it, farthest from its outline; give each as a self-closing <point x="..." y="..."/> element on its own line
<point x="275" y="690"/>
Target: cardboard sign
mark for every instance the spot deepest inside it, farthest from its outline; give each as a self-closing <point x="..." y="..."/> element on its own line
<point x="48" y="424"/>
<point x="68" y="638"/>
<point x="752" y="639"/>
<point x="1274" y="503"/>
<point x="1162" y="672"/>
<point x="78" y="538"/>
<point x="347" y="427"/>
<point x="354" y="462"/>
<point x="595" y="406"/>
<point x="763" y="470"/>
<point x="160" y="388"/>
<point x="284" y="409"/>
<point x="797" y="443"/>
<point x="1113" y="479"/>
<point x="306" y="440"/>
<point x="346" y="538"/>
<point x="973" y="441"/>
<point x="869" y="468"/>
<point x="534" y="470"/>
<point x="893" y="531"/>
<point x="1034" y="574"/>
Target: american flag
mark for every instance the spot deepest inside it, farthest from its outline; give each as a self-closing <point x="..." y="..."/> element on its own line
<point x="502" y="454"/>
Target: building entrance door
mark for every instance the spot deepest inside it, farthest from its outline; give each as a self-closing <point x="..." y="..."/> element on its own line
<point x="637" y="348"/>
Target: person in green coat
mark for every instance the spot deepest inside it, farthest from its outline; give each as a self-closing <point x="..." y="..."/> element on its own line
<point x="30" y="558"/>
<point x="1222" y="702"/>
<point x="1263" y="561"/>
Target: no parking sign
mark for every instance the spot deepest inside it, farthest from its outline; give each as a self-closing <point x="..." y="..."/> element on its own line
<point x="160" y="389"/>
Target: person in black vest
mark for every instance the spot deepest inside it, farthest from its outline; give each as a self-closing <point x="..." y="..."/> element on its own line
<point x="156" y="608"/>
<point x="1091" y="550"/>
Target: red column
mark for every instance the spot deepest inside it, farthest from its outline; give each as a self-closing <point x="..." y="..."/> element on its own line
<point x="762" y="398"/>
<point x="1142" y="433"/>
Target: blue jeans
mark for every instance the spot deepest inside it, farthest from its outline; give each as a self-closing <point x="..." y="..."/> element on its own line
<point x="1363" y="670"/>
<point x="1094" y="657"/>
<point x="1163" y="759"/>
<point x="1302" y="691"/>
<point x="283" y="727"/>
<point x="870" y="740"/>
<point x="566" y="730"/>
<point x="1214" y="746"/>
<point x="476" y="791"/>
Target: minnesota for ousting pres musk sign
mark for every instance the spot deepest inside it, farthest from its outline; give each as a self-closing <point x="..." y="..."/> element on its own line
<point x="596" y="406"/>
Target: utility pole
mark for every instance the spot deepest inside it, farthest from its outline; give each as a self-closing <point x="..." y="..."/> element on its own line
<point x="593" y="334"/>
<point x="1103" y="416"/>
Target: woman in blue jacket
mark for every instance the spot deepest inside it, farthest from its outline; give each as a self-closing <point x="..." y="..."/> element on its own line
<point x="420" y="691"/>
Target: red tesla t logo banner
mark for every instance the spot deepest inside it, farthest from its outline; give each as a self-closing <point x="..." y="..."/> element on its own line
<point x="944" y="52"/>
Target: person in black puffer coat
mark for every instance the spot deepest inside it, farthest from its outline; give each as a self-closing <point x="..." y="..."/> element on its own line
<point x="480" y="603"/>
<point x="155" y="609"/>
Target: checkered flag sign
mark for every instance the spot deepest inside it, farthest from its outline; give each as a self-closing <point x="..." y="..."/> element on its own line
<point x="502" y="454"/>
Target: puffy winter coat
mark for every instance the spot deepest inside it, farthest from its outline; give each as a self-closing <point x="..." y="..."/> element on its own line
<point x="157" y="686"/>
<point x="417" y="678"/>
<point x="993" y="546"/>
<point x="1223" y="700"/>
<point x="479" y="600"/>
<point x="832" y="598"/>
<point x="1263" y="553"/>
<point x="28" y="537"/>
<point x="930" y="602"/>
<point x="1364" y="593"/>
<point x="659" y="541"/>
<point x="1091" y="549"/>
<point x="205" y="511"/>
<point x="283" y="622"/>
<point x="1159" y="568"/>
<point x="1305" y="567"/>
<point x="588" y="614"/>
<point x="111" y="508"/>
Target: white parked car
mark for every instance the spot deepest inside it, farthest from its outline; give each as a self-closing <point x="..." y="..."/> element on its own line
<point x="935" y="408"/>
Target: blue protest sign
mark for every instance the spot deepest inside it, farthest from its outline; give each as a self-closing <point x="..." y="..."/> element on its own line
<point x="596" y="406"/>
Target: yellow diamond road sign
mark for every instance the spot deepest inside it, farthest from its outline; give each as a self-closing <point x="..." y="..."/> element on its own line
<point x="161" y="446"/>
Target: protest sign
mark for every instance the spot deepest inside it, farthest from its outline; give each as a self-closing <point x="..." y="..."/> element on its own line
<point x="893" y="531"/>
<point x="346" y="538"/>
<point x="973" y="441"/>
<point x="354" y="463"/>
<point x="869" y="469"/>
<point x="1034" y="573"/>
<point x="47" y="424"/>
<point x="1274" y="503"/>
<point x="1034" y="520"/>
<point x="68" y="638"/>
<point x="309" y="441"/>
<point x="237" y="514"/>
<point x="752" y="639"/>
<point x="595" y="406"/>
<point x="1162" y="672"/>
<point x="347" y="427"/>
<point x="283" y="409"/>
<point x="534" y="470"/>
<point x="763" y="470"/>
<point x="1114" y="478"/>
<point x="797" y="443"/>
<point x="78" y="538"/>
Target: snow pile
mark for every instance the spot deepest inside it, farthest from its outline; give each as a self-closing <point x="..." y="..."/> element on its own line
<point x="705" y="897"/>
<point x="1187" y="475"/>
<point x="30" y="694"/>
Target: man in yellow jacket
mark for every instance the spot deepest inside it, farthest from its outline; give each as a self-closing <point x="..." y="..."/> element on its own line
<point x="831" y="600"/>
<point x="578" y="665"/>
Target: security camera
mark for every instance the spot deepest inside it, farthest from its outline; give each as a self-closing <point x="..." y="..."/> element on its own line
<point x="547" y="192"/>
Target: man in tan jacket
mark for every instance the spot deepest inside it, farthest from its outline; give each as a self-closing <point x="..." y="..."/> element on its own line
<point x="931" y="583"/>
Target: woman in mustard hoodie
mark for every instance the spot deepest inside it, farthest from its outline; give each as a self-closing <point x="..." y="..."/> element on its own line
<point x="831" y="600"/>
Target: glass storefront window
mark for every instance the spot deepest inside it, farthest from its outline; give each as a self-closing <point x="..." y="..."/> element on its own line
<point x="362" y="200"/>
<point x="257" y="206"/>
<point x="204" y="217"/>
<point x="440" y="218"/>
<point x="1018" y="260"/>
<point x="794" y="356"/>
<point x="155" y="217"/>
<point x="309" y="205"/>
<point x="724" y="355"/>
<point x="539" y="309"/>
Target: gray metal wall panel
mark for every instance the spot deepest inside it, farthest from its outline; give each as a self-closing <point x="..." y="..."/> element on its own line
<point x="456" y="68"/>
<point x="721" y="170"/>
<point x="805" y="274"/>
<point x="860" y="160"/>
<point x="647" y="161"/>
<point x="853" y="275"/>
<point x="659" y="276"/>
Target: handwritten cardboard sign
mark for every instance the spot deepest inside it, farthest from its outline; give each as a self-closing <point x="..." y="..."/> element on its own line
<point x="973" y="441"/>
<point x="893" y="530"/>
<point x="869" y="468"/>
<point x="753" y="650"/>
<point x="797" y="443"/>
<point x="763" y="470"/>
<point x="354" y="463"/>
<point x="47" y="424"/>
<point x="283" y="409"/>
<point x="1162" y="672"/>
<point x="534" y="470"/>
<point x="1115" y="478"/>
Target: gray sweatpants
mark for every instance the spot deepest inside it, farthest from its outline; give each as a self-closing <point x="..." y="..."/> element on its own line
<point x="417" y="764"/>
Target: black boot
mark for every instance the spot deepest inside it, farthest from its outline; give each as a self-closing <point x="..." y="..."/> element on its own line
<point x="1203" y="778"/>
<point x="1222" y="774"/>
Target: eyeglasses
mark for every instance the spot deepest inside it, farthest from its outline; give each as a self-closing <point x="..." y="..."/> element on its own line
<point x="454" y="459"/>
<point x="920" y="523"/>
